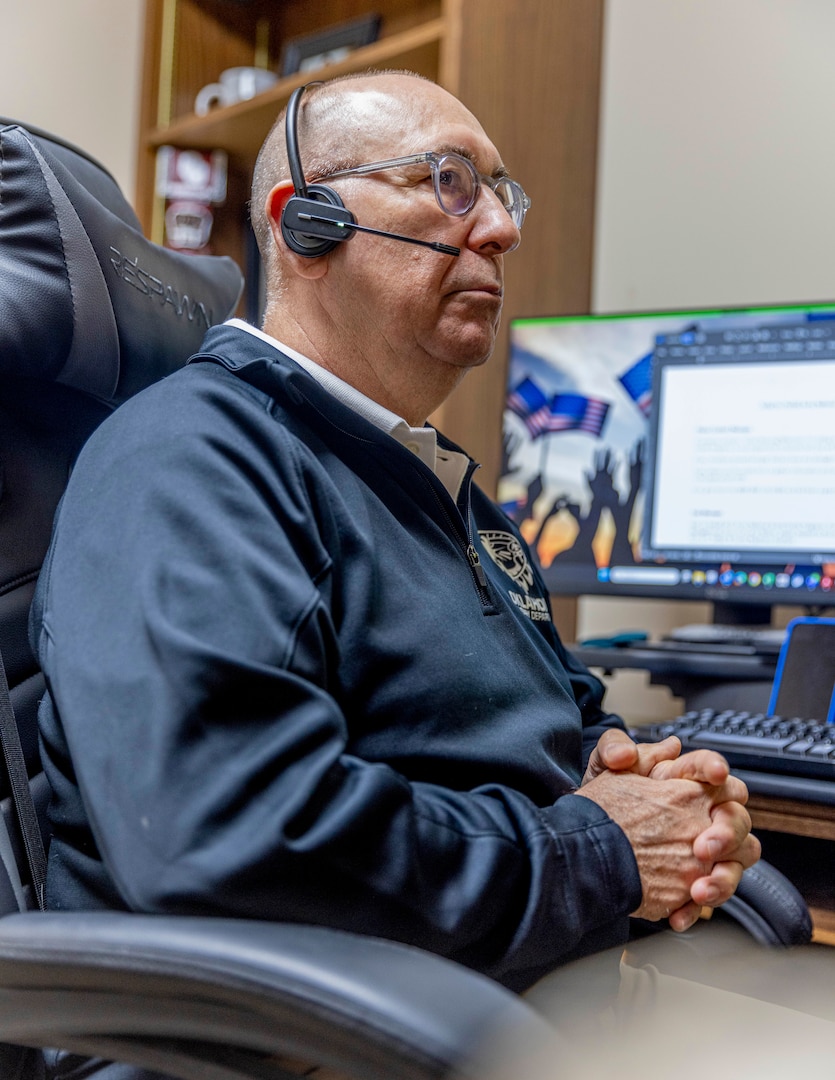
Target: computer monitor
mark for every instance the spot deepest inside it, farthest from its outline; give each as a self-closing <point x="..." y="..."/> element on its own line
<point x="677" y="455"/>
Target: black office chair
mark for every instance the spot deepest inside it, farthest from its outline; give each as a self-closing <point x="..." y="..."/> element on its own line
<point x="90" y="312"/>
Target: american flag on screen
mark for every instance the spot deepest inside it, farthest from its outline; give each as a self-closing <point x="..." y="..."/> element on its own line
<point x="574" y="412"/>
<point x="563" y="412"/>
<point x="530" y="403"/>
<point x="637" y="382"/>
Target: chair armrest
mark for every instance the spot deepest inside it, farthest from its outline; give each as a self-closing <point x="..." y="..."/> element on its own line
<point x="770" y="908"/>
<point x="184" y="995"/>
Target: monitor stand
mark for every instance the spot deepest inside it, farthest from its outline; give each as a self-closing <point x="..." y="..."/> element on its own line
<point x="729" y="613"/>
<point x="746" y="625"/>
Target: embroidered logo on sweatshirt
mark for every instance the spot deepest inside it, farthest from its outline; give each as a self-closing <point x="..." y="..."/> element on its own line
<point x="507" y="553"/>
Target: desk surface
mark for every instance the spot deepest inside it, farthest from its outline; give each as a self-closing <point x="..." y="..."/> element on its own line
<point x="660" y="659"/>
<point x="701" y="677"/>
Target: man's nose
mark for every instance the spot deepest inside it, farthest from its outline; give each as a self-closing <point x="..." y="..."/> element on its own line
<point x="493" y="224"/>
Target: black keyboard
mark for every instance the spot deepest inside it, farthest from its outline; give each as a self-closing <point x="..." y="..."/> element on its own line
<point x="771" y="744"/>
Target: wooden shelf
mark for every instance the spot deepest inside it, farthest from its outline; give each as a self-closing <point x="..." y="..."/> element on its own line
<point x="240" y="129"/>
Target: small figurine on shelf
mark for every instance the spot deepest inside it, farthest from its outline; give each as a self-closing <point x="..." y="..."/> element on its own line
<point x="190" y="182"/>
<point x="188" y="225"/>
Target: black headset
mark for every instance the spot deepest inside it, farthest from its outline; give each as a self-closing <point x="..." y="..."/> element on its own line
<point x="315" y="219"/>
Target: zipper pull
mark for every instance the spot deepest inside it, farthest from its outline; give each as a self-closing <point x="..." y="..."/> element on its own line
<point x="475" y="563"/>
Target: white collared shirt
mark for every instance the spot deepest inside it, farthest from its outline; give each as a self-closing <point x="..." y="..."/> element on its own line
<point x="448" y="465"/>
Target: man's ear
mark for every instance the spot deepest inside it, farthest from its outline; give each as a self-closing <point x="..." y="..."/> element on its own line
<point x="276" y="202"/>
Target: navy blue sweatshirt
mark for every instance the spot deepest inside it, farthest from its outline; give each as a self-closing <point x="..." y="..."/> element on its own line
<point x="290" y="678"/>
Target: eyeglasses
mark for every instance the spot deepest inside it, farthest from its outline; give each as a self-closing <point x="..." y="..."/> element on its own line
<point x="456" y="182"/>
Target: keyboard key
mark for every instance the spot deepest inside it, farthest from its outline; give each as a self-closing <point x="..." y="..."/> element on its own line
<point x="682" y="732"/>
<point x="799" y="747"/>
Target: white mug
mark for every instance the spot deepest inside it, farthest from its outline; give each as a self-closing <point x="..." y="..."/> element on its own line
<point x="235" y="84"/>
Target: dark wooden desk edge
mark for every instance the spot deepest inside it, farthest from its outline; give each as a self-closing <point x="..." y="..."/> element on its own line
<point x="792" y="816"/>
<point x="803" y="819"/>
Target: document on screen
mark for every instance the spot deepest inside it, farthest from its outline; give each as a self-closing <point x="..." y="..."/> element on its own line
<point x="745" y="458"/>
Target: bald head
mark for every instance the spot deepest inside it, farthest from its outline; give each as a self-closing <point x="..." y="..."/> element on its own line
<point x="337" y="124"/>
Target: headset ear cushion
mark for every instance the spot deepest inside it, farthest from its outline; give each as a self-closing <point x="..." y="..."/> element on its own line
<point x="315" y="238"/>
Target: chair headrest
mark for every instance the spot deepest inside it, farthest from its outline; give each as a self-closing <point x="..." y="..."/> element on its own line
<point x="85" y="299"/>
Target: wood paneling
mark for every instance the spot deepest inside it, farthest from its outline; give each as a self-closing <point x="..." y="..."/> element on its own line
<point x="531" y="72"/>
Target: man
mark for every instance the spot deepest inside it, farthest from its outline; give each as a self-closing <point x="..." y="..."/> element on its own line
<point x="287" y="680"/>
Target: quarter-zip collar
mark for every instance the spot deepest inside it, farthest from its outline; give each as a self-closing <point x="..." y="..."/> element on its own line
<point x="448" y="464"/>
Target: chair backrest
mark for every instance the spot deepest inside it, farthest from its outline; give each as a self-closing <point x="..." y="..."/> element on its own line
<point x="90" y="313"/>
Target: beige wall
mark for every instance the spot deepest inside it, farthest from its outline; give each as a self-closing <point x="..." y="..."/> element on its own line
<point x="717" y="164"/>
<point x="72" y="67"/>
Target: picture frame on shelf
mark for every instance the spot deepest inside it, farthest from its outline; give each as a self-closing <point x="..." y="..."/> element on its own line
<point x="309" y="52"/>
